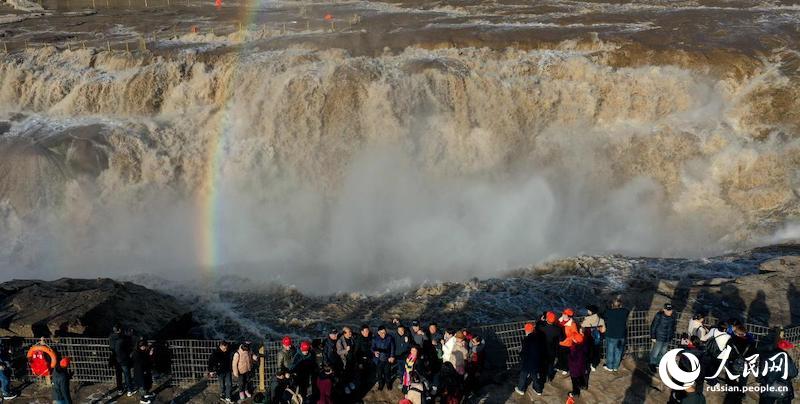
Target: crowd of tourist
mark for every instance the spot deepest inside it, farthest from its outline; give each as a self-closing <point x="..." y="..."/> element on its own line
<point x="428" y="364"/>
<point x="424" y="363"/>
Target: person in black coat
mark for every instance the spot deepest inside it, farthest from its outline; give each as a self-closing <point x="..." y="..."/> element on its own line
<point x="383" y="357"/>
<point x="304" y="368"/>
<point x="60" y="380"/>
<point x="777" y="389"/>
<point x="402" y="346"/>
<point x="121" y="346"/>
<point x="143" y="370"/>
<point x="220" y="365"/>
<point x="530" y="361"/>
<point x="551" y="335"/>
<point x="363" y="357"/>
<point x="330" y="356"/>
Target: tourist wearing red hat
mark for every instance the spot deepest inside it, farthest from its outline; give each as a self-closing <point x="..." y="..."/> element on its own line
<point x="551" y="334"/>
<point x="286" y="354"/>
<point x="61" y="379"/>
<point x="304" y="368"/>
<point x="570" y="329"/>
<point x="530" y="360"/>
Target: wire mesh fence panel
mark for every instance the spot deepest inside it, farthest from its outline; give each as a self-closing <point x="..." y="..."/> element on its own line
<point x="189" y="359"/>
<point x="792" y="335"/>
<point x="88" y="357"/>
<point x="272" y="348"/>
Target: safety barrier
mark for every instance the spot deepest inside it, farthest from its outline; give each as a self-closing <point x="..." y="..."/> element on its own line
<point x="185" y="361"/>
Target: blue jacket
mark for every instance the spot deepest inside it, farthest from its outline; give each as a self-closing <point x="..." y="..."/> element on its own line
<point x="662" y="328"/>
<point x="384" y="347"/>
<point x="60" y="381"/>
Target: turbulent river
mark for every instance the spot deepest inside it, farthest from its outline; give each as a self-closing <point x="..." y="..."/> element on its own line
<point x="323" y="160"/>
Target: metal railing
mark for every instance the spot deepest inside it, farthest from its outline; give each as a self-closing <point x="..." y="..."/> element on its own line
<point x="186" y="360"/>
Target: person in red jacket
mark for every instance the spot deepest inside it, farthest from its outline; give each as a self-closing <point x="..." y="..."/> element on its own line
<point x="568" y="325"/>
<point x="578" y="358"/>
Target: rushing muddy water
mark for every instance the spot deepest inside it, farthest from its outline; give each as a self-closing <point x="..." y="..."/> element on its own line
<point x="417" y="141"/>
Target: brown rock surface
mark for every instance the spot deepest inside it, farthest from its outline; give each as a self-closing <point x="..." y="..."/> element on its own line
<point x="768" y="298"/>
<point x="31" y="308"/>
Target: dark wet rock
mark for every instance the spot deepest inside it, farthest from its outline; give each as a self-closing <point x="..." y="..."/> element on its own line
<point x="84" y="307"/>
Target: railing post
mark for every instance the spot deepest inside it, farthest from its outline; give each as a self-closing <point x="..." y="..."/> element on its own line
<point x="262" y="367"/>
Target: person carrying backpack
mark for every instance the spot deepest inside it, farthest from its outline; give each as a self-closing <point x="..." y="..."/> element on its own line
<point x="716" y="340"/>
<point x="596" y="328"/>
<point x="742" y="347"/>
<point x="775" y="380"/>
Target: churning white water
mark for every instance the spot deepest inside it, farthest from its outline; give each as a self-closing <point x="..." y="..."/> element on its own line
<point x="337" y="172"/>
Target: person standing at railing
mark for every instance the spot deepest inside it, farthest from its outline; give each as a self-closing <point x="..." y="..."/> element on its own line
<point x="345" y="347"/>
<point x="552" y="335"/>
<point x="143" y="371"/>
<point x="61" y="378"/>
<point x="577" y="360"/>
<point x="596" y="329"/>
<point x="383" y="357"/>
<point x="616" y="331"/>
<point x="242" y="364"/>
<point x="219" y="365"/>
<point x="567" y="323"/>
<point x="435" y="338"/>
<point x="121" y="349"/>
<point x="402" y="345"/>
<point x="418" y="334"/>
<point x="742" y="347"/>
<point x="363" y="357"/>
<point x="530" y="361"/>
<point x="304" y="368"/>
<point x="662" y="331"/>
<point x="5" y="373"/>
<point x="776" y="381"/>
<point x="330" y="355"/>
<point x="697" y="326"/>
<point x="475" y="363"/>
<point x="287" y="353"/>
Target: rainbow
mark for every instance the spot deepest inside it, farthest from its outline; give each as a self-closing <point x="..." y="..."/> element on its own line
<point x="209" y="198"/>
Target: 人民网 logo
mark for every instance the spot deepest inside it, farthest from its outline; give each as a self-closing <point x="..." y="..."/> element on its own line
<point x="671" y="373"/>
<point x="678" y="377"/>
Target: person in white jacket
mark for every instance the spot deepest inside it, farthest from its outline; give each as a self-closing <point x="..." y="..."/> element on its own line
<point x="720" y="338"/>
<point x="696" y="326"/>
